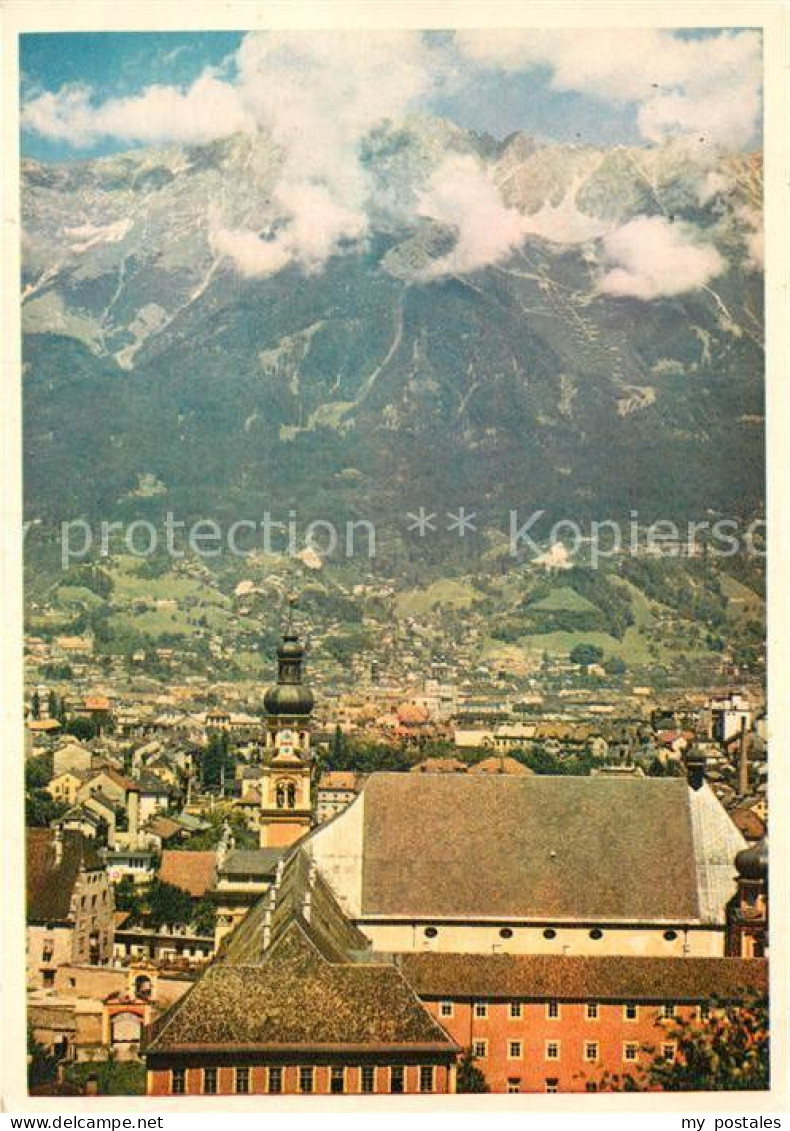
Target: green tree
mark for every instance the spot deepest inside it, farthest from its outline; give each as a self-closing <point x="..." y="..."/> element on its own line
<point x="128" y="898"/>
<point x="35" y="705"/>
<point x="727" y="1052"/>
<point x="205" y="918"/>
<point x="586" y="654"/>
<point x="42" y="1066"/>
<point x="168" y="905"/>
<point x="469" y="1077"/>
<point x="216" y="762"/>
<point x="82" y="729"/>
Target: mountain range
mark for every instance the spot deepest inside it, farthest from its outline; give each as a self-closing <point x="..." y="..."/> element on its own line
<point x="576" y="369"/>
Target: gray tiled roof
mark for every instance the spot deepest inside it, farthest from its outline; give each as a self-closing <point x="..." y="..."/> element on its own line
<point x="251" y="861"/>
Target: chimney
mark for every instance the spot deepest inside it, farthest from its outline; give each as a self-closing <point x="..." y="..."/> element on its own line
<point x="743" y="760"/>
<point x="133" y="814"/>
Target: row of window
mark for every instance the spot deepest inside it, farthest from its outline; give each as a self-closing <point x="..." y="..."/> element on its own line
<point x="549" y="933"/>
<point x="591" y="1050"/>
<point x="338" y="1080"/>
<point x="553" y="1010"/>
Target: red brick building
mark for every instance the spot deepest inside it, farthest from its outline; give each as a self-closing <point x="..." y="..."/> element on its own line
<point x="552" y="1023"/>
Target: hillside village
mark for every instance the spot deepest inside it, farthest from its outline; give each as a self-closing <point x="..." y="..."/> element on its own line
<point x="147" y="792"/>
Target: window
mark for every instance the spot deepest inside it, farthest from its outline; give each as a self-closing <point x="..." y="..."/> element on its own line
<point x="445" y="1009"/>
<point x="430" y="932"/>
<point x="549" y="933"/>
<point x="590" y="1050"/>
<point x="514" y="1085"/>
<point x="426" y="1078"/>
<point x="506" y="933"/>
<point x="480" y="1048"/>
<point x="668" y="1011"/>
<point x="670" y="936"/>
<point x="368" y="1082"/>
<point x="243" y="1081"/>
<point x="668" y="1051"/>
<point x="209" y="1081"/>
<point x="552" y="1050"/>
<point x="552" y="1010"/>
<point x="515" y="1010"/>
<point x="596" y="933"/>
<point x="48" y="977"/>
<point x="591" y="1086"/>
<point x="397" y="1080"/>
<point x="306" y="1080"/>
<point x="552" y="1085"/>
<point x="592" y="1010"/>
<point x="275" y="1081"/>
<point x="630" y="1011"/>
<point x="630" y="1051"/>
<point x="178" y="1081"/>
<point x="704" y="1011"/>
<point x="481" y="1009"/>
<point x="514" y="1050"/>
<point x="337" y="1080"/>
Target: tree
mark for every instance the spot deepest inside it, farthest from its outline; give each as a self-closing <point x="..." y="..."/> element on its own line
<point x="42" y="1066"/>
<point x="35" y="705"/>
<point x="205" y="919"/>
<point x="52" y="704"/>
<point x="82" y="729"/>
<point x="729" y="1051"/>
<point x="469" y="1077"/>
<point x="586" y="654"/>
<point x="127" y="897"/>
<point x="168" y="905"/>
<point x="216" y="763"/>
<point x="613" y="665"/>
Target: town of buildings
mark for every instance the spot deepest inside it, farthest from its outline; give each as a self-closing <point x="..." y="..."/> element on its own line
<point x="221" y="898"/>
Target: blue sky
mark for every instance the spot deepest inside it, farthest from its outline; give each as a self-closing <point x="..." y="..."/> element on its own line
<point x="487" y="89"/>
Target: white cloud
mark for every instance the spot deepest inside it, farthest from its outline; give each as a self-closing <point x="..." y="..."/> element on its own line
<point x="462" y="195"/>
<point x="707" y="86"/>
<point x="158" y="115"/>
<point x="564" y="223"/>
<point x="318" y="96"/>
<point x="650" y="258"/>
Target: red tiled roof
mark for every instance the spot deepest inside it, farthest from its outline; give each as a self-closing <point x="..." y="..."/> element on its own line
<point x="194" y="872"/>
<point x="43" y="724"/>
<point x="338" y="779"/>
<point x="97" y="703"/>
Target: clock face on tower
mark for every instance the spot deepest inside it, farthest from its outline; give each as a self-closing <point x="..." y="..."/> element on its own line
<point x="286" y="738"/>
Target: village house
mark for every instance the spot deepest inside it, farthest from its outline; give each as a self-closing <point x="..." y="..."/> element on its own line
<point x="69" y="904"/>
<point x="336" y="789"/>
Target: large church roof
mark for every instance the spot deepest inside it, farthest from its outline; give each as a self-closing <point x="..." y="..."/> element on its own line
<point x="534" y="848"/>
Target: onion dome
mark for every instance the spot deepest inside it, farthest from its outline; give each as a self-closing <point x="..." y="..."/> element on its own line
<point x="752" y="862"/>
<point x="288" y="699"/>
<point x="289" y="696"/>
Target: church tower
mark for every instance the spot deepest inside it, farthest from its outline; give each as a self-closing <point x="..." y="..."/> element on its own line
<point x="286" y="804"/>
<point x="747" y="911"/>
